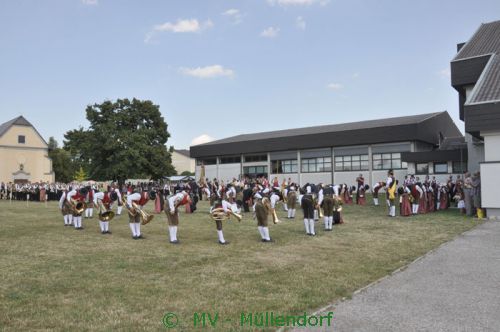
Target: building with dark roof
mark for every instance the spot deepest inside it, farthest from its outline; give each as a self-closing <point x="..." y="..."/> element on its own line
<point x="24" y="153"/>
<point x="182" y="161"/>
<point x="330" y="153"/>
<point x="475" y="74"/>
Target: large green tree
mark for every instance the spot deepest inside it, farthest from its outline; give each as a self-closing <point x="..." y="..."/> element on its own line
<point x="62" y="165"/>
<point x="125" y="139"/>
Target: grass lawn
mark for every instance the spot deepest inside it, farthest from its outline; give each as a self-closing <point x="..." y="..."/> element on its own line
<point x="57" y="278"/>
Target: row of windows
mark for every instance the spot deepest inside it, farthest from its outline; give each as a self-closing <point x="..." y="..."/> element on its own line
<point x="442" y="168"/>
<point x="255" y="170"/>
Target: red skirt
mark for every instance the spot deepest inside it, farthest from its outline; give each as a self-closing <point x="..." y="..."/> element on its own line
<point x="362" y="200"/>
<point x="158" y="207"/>
<point x="405" y="209"/>
<point x="443" y="202"/>
<point x="430" y="202"/>
<point x="422" y="204"/>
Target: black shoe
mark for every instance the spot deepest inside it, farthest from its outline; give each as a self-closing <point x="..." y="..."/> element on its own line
<point x="80" y="228"/>
<point x="134" y="237"/>
<point x="224" y="243"/>
<point x="174" y="242"/>
<point x="108" y="232"/>
<point x="103" y="232"/>
<point x="270" y="240"/>
<point x="313" y="234"/>
<point x="140" y="237"/>
<point x="308" y="233"/>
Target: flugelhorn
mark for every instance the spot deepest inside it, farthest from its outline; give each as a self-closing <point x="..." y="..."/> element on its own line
<point x="267" y="204"/>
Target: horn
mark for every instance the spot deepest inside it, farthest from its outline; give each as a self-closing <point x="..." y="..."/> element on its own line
<point x="145" y="217"/>
<point x="106" y="215"/>
<point x="267" y="204"/>
<point x="78" y="206"/>
<point x="218" y="214"/>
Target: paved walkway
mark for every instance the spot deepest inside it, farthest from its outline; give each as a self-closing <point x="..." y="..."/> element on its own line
<point x="455" y="288"/>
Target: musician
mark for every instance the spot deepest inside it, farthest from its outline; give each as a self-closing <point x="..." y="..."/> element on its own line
<point x="89" y="200"/>
<point x="139" y="199"/>
<point x="318" y="200"/>
<point x="103" y="197"/>
<point x="307" y="205"/>
<point x="361" y="183"/>
<point x="291" y="201"/>
<point x="118" y="200"/>
<point x="226" y="206"/>
<point x="172" y="212"/>
<point x="261" y="213"/>
<point x="274" y="199"/>
<point x="66" y="209"/>
<point x="328" y="207"/>
<point x="404" y="201"/>
<point x="78" y="197"/>
<point x="416" y="192"/>
<point x="361" y="194"/>
<point x="390" y="189"/>
<point x="376" y="187"/>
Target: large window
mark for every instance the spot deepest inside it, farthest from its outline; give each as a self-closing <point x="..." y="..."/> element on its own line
<point x="351" y="163"/>
<point x="258" y="157"/>
<point x="440" y="168"/>
<point x="388" y="161"/>
<point x="422" y="168"/>
<point x="459" y="167"/>
<point x="253" y="171"/>
<point x="230" y="160"/>
<point x="322" y="164"/>
<point x="284" y="166"/>
<point x="207" y="161"/>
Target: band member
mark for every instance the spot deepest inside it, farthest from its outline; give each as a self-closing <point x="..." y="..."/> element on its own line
<point x="136" y="201"/>
<point x="77" y="197"/>
<point x="416" y="192"/>
<point x="318" y="200"/>
<point x="337" y="210"/>
<point x="361" y="183"/>
<point x="274" y="199"/>
<point x="291" y="202"/>
<point x="361" y="194"/>
<point x="100" y="197"/>
<point x="66" y="209"/>
<point x="404" y="201"/>
<point x="376" y="187"/>
<point x="261" y="213"/>
<point x="119" y="201"/>
<point x="328" y="208"/>
<point x="172" y="211"/>
<point x="308" y="209"/>
<point x="391" y="192"/>
<point x="89" y="200"/>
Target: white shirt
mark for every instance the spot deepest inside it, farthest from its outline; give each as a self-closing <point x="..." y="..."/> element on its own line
<point x="274" y="199"/>
<point x="70" y="195"/>
<point x="388" y="182"/>
<point x="320" y="196"/>
<point x="61" y="201"/>
<point x="173" y="199"/>
<point x="133" y="197"/>
<point x="98" y="196"/>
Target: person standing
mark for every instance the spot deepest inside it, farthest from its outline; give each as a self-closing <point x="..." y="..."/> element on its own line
<point x="262" y="213"/>
<point x="476" y="192"/>
<point x="390" y="189"/>
<point x="328" y="208"/>
<point x="468" y="194"/>
<point x="308" y="210"/>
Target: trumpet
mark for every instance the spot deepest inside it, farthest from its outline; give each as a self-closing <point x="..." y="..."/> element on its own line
<point x="107" y="215"/>
<point x="78" y="207"/>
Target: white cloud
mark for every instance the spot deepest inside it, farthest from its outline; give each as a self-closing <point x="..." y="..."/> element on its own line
<point x="234" y="14"/>
<point x="180" y="26"/>
<point x="285" y="3"/>
<point x="334" y="86"/>
<point x="208" y="71"/>
<point x="355" y="75"/>
<point x="89" y="2"/>
<point x="202" y="139"/>
<point x="300" y="23"/>
<point x="270" y="32"/>
<point x="445" y="73"/>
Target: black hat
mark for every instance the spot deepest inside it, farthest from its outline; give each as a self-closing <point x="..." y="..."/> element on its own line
<point x="113" y="195"/>
<point x="83" y="191"/>
<point x="152" y="195"/>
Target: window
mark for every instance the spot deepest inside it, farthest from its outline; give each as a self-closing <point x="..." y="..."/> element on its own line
<point x="230" y="160"/>
<point x="322" y="164"/>
<point x="422" y="168"/>
<point x="284" y="166"/>
<point x="440" y="168"/>
<point x="255" y="170"/>
<point x="21" y="139"/>
<point x="352" y="163"/>
<point x="459" y="167"/>
<point x="208" y="161"/>
<point x="388" y="161"/>
<point x="259" y="157"/>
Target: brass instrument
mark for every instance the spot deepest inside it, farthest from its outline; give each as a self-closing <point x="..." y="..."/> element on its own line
<point x="218" y="214"/>
<point x="78" y="207"/>
<point x="104" y="214"/>
<point x="267" y="204"/>
<point x="145" y="217"/>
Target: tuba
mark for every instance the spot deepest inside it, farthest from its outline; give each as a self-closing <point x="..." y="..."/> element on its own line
<point x="104" y="214"/>
<point x="78" y="207"/>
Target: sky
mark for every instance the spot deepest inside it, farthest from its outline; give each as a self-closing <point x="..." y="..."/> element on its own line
<point x="224" y="68"/>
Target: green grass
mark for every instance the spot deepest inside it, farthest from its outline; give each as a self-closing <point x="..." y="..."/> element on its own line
<point x="57" y="278"/>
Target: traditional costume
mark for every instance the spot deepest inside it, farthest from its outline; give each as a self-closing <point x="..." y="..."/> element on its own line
<point x="308" y="209"/>
<point x="291" y="202"/>
<point x="171" y="210"/>
<point x="376" y="188"/>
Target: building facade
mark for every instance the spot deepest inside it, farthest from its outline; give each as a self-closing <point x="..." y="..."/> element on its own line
<point x="182" y="161"/>
<point x="331" y="153"/>
<point x="23" y="153"/>
<point x="475" y="74"/>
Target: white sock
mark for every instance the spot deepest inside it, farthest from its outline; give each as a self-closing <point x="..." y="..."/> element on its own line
<point x="289" y="213"/>
<point x="265" y="230"/>
<point x="311" y="226"/>
<point x="91" y="212"/>
<point x="65" y="217"/>
<point x="106" y="225"/>
<point x="70" y="219"/>
<point x="138" y="228"/>
<point x="327" y="220"/>
<point x="262" y="235"/>
<point x="175" y="233"/>
<point x="221" y="236"/>
<point x="388" y="202"/>
<point x="393" y="211"/>
<point x="316" y="214"/>
<point x="170" y="233"/>
<point x="101" y="224"/>
<point x="132" y="228"/>
<point x="293" y="213"/>
<point x="330" y="222"/>
<point x="285" y="207"/>
<point x="375" y="201"/>
<point x="306" y="224"/>
<point x="119" y="210"/>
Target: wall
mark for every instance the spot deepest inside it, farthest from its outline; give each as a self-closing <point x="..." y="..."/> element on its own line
<point x="323" y="177"/>
<point x="182" y="163"/>
<point x="294" y="177"/>
<point x="491" y="146"/>
<point x="210" y="172"/>
<point x="475" y="153"/>
<point x="349" y="178"/>
<point x="490" y="182"/>
<point x="229" y="171"/>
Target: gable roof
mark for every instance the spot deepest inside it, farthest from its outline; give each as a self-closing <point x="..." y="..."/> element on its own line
<point x="422" y="127"/>
<point x="183" y="152"/>
<point x="484" y="41"/>
<point x="19" y="121"/>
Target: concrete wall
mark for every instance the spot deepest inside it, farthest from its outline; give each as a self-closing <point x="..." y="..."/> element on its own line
<point x="210" y="172"/>
<point x="490" y="181"/>
<point x="182" y="163"/>
<point x="323" y="177"/>
<point x="475" y="153"/>
<point x="491" y="146"/>
<point x="349" y="177"/>
<point x="32" y="156"/>
<point x="229" y="171"/>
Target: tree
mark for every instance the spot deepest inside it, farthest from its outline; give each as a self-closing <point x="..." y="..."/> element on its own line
<point x="187" y="173"/>
<point x="125" y="139"/>
<point x="62" y="165"/>
<point x="80" y="175"/>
